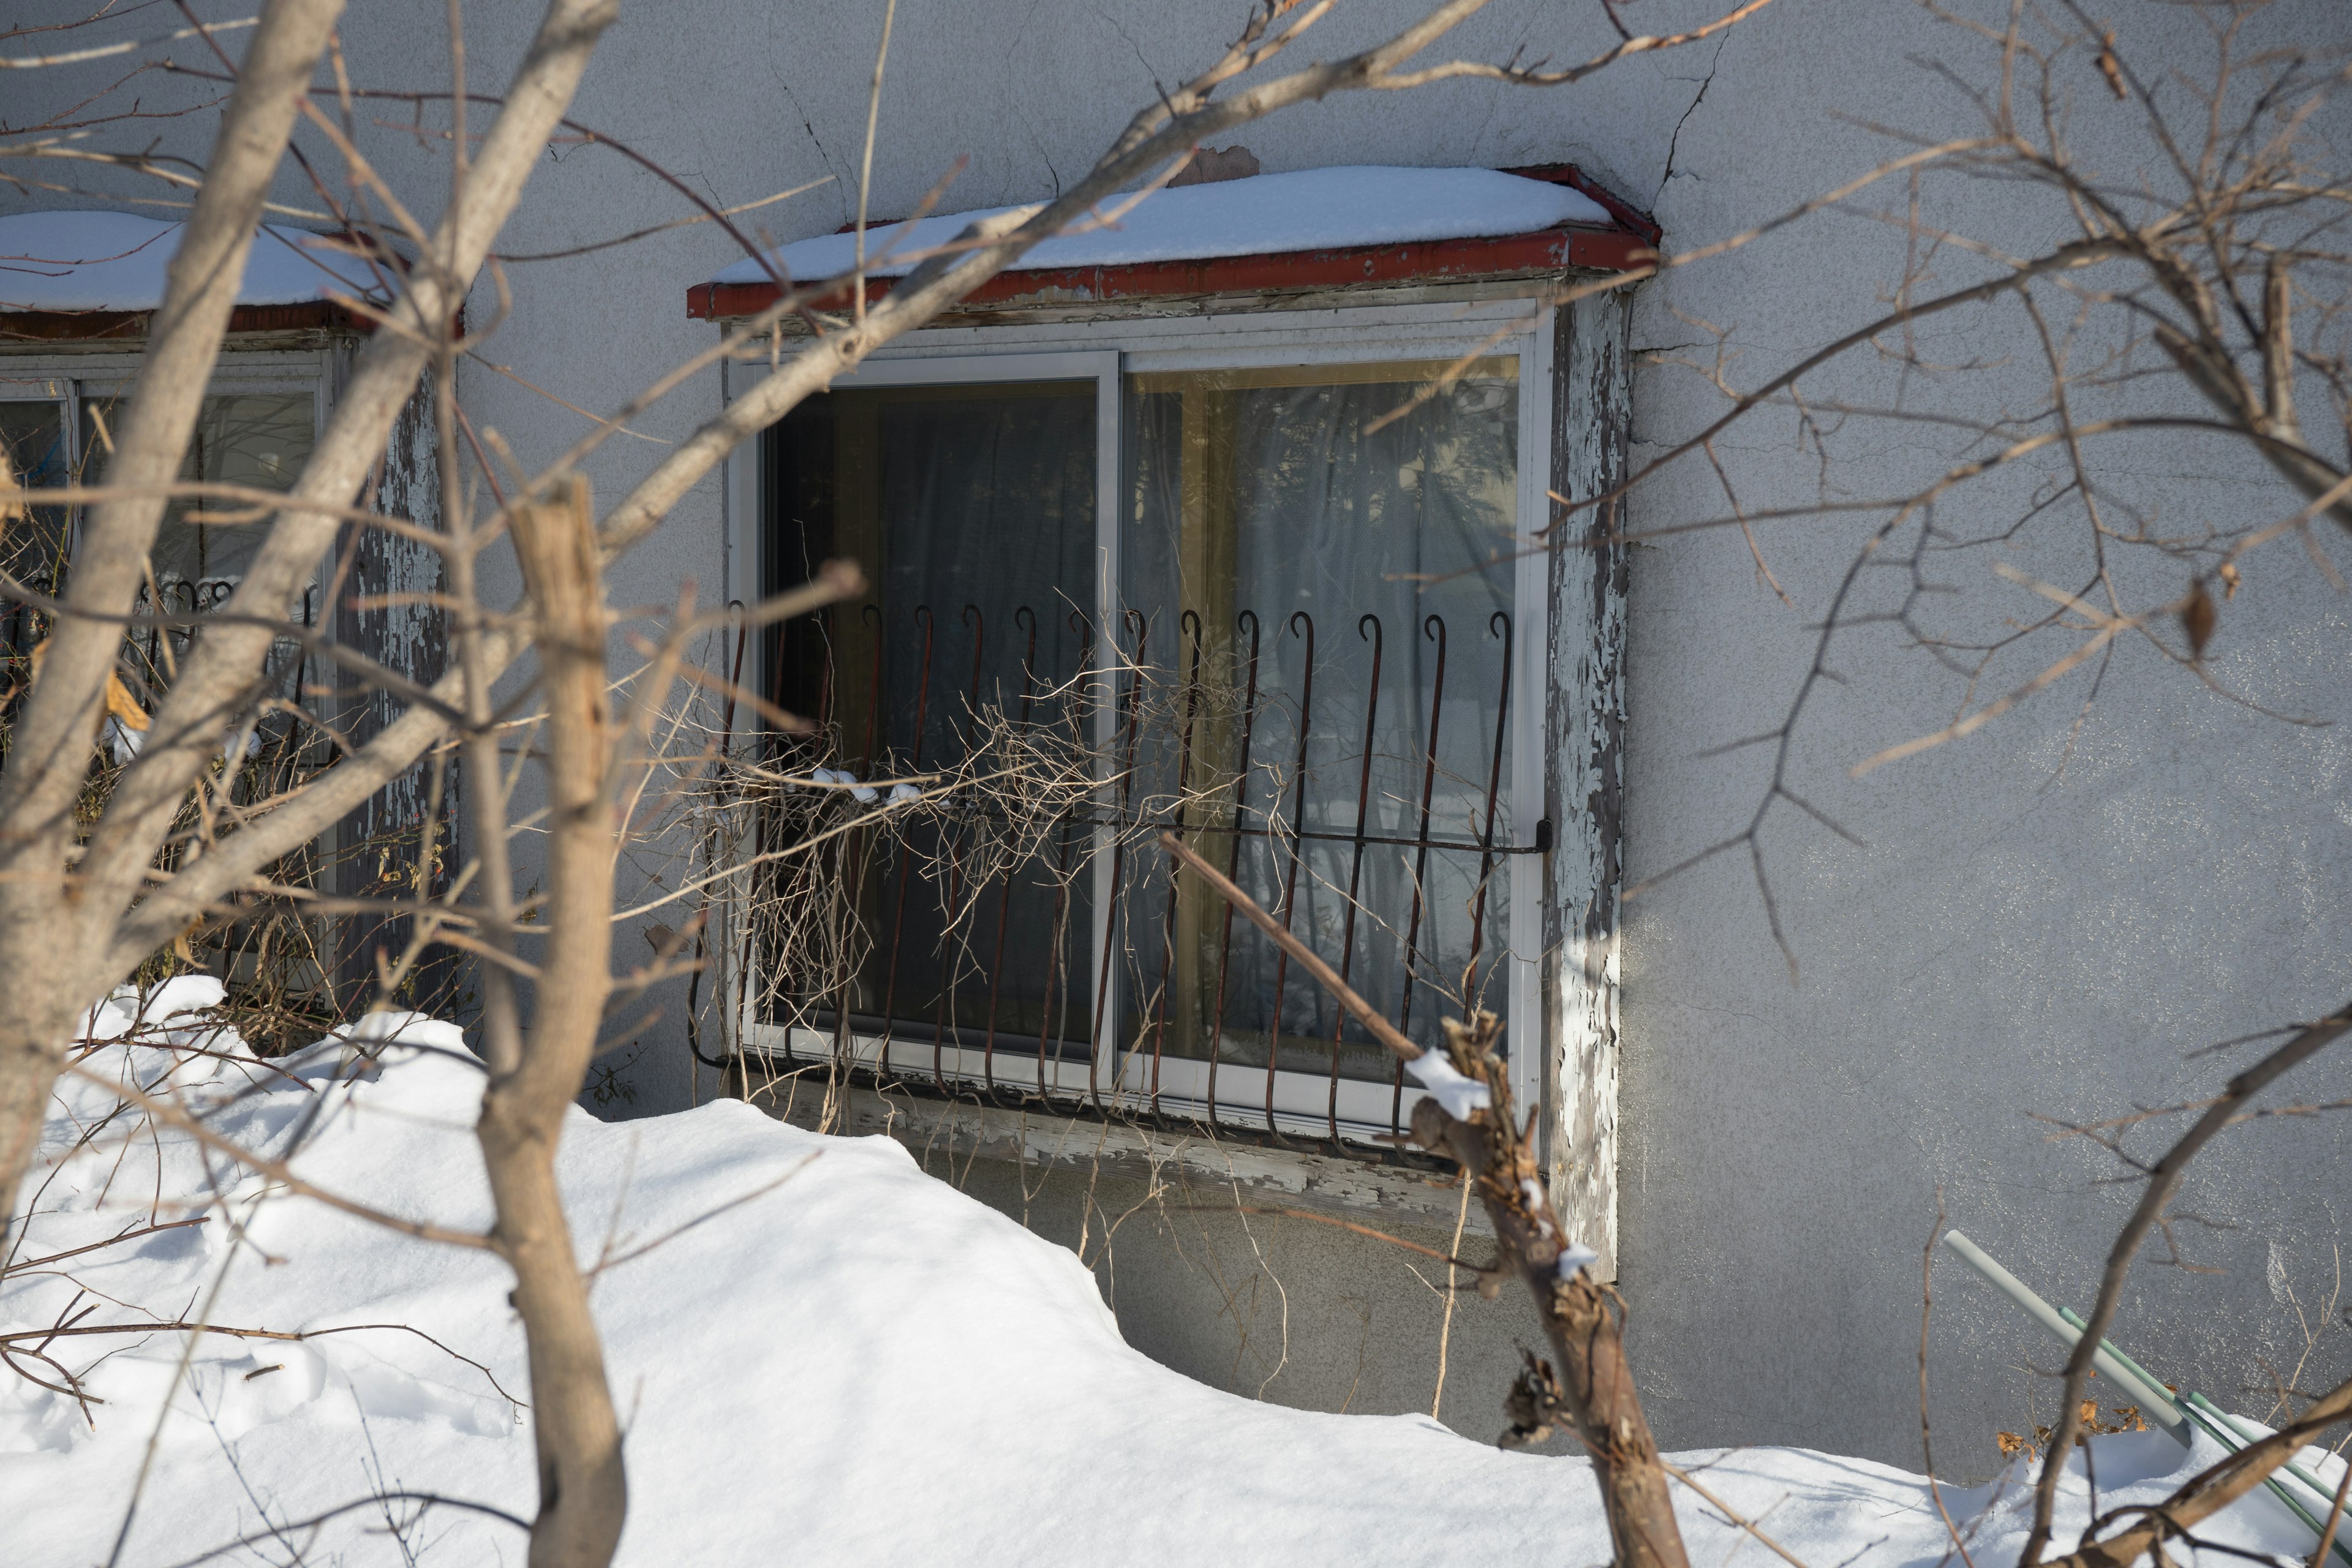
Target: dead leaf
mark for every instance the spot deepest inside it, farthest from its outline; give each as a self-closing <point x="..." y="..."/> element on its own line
<point x="2198" y="619"/>
<point x="122" y="705"/>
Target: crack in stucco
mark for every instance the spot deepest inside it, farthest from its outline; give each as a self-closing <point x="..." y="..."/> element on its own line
<point x="1142" y="58"/>
<point x="809" y="125"/>
<point x="1674" y="141"/>
<point x="1029" y="126"/>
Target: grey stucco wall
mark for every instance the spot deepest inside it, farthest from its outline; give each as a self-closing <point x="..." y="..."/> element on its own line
<point x="2004" y="940"/>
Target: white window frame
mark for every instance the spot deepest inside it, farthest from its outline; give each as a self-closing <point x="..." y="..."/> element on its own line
<point x="1104" y="351"/>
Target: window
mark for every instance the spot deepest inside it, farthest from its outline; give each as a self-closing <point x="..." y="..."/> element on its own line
<point x="256" y="428"/>
<point x="1272" y="578"/>
<point x="36" y="445"/>
<point x="258" y="439"/>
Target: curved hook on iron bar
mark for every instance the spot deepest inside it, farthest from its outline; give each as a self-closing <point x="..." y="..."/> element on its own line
<point x="1026" y="619"/>
<point x="1305" y="689"/>
<point x="735" y="612"/>
<point x="1432" y="629"/>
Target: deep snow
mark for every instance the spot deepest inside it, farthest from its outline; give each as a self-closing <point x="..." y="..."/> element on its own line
<point x="859" y="1366"/>
<point x="1310" y="210"/>
<point x="116" y="261"/>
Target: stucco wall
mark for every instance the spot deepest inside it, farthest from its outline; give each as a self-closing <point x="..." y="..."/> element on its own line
<point x="2004" y="942"/>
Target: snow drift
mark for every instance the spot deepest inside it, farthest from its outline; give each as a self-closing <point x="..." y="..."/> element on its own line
<point x="853" y="1363"/>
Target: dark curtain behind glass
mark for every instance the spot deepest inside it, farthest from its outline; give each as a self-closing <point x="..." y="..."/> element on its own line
<point x="972" y="510"/>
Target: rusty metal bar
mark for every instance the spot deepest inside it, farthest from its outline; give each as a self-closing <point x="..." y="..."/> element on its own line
<point x="1108" y="815"/>
<point x="1101" y="1037"/>
<point x="1378" y="1028"/>
<point x="1085" y="628"/>
<point x="979" y="624"/>
<point x="1493" y="789"/>
<point x="857" y="853"/>
<point x="1026" y="618"/>
<point x="1190" y="620"/>
<point x="1290" y="884"/>
<point x="906" y="869"/>
<point x="1433" y="627"/>
<point x="1247" y="619"/>
<point x="1369" y="626"/>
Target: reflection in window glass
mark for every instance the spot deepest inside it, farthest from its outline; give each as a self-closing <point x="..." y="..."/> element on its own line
<point x="257" y="440"/>
<point x="32" y="540"/>
<point x="1323" y="524"/>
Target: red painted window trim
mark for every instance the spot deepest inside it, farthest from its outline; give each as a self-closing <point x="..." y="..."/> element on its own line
<point x="1621" y="250"/>
<point x="85" y="326"/>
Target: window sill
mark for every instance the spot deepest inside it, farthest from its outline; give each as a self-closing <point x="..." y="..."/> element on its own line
<point x="1399" y="1188"/>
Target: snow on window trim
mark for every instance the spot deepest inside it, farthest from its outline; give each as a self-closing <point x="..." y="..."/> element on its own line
<point x="1311" y="209"/>
<point x="81" y="260"/>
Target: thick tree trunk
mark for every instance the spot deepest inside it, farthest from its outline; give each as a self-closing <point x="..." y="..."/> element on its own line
<point x="583" y="1491"/>
<point x="55" y="961"/>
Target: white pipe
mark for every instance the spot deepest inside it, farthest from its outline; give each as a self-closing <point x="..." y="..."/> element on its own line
<point x="2154" y="1402"/>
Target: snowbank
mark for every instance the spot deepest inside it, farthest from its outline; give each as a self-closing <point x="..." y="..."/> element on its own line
<point x="858" y="1367"/>
<point x="1312" y="209"/>
<point x="115" y="261"/>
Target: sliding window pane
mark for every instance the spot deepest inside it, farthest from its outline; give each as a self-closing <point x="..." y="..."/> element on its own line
<point x="1338" y="542"/>
<point x="972" y="510"/>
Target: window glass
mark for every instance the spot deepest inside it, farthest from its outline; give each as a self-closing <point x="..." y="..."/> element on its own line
<point x="972" y="510"/>
<point x="32" y="538"/>
<point x="1330" y="547"/>
<point x="257" y="439"/>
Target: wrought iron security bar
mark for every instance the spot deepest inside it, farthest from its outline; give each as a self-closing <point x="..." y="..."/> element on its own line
<point x="1001" y="896"/>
